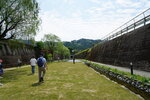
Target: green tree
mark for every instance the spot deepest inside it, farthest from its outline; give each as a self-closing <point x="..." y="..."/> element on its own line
<point x="18" y="18"/>
<point x="39" y="46"/>
<point x="51" y="42"/>
<point x="56" y="47"/>
<point x="62" y="51"/>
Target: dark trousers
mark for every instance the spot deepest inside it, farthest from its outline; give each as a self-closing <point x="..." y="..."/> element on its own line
<point x="19" y="64"/>
<point x="33" y="69"/>
<point x="1" y="71"/>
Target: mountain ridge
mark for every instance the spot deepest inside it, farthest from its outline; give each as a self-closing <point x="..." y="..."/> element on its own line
<point x="81" y="44"/>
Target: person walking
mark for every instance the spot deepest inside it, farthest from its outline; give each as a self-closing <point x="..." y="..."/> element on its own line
<point x="42" y="66"/>
<point x="19" y="62"/>
<point x="33" y="62"/>
<point x="1" y="67"/>
<point x="1" y="70"/>
<point x="73" y="59"/>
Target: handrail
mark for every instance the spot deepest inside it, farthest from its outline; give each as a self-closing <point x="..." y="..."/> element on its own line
<point x="143" y="21"/>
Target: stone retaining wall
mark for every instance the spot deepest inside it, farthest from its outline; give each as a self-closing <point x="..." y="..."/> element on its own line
<point x="131" y="47"/>
<point x="10" y="55"/>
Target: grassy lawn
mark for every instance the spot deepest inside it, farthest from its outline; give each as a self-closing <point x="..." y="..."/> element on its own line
<point x="63" y="81"/>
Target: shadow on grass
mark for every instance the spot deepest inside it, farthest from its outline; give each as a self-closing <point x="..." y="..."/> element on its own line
<point x="12" y="75"/>
<point x="30" y="74"/>
<point x="36" y="84"/>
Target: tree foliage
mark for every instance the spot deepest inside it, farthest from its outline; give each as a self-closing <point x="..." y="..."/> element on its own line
<point x="62" y="51"/>
<point x="18" y="18"/>
<point x="54" y="44"/>
<point x="51" y="42"/>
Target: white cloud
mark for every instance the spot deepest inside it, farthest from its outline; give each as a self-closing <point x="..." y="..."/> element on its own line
<point x="96" y="23"/>
<point x="77" y="14"/>
<point x="70" y="29"/>
<point x="126" y="11"/>
<point x="69" y="1"/>
<point x="123" y="2"/>
<point x="133" y="3"/>
<point x="95" y="1"/>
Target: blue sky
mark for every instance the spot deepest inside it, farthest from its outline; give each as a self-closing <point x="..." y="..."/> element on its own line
<point x="92" y="19"/>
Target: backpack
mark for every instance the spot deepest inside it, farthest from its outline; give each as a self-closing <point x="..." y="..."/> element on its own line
<point x="40" y="62"/>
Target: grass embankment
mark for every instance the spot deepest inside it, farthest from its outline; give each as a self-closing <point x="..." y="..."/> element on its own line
<point x="63" y="81"/>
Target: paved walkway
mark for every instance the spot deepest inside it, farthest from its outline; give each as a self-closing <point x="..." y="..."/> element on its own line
<point x="75" y="61"/>
<point x="138" y="72"/>
<point x="16" y="67"/>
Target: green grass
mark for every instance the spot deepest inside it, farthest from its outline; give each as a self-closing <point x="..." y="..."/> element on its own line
<point x="63" y="81"/>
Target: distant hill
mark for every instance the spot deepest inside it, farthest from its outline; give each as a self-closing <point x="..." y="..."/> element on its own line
<point x="81" y="44"/>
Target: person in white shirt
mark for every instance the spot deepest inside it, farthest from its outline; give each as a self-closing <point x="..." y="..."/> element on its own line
<point x="19" y="62"/>
<point x="33" y="62"/>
